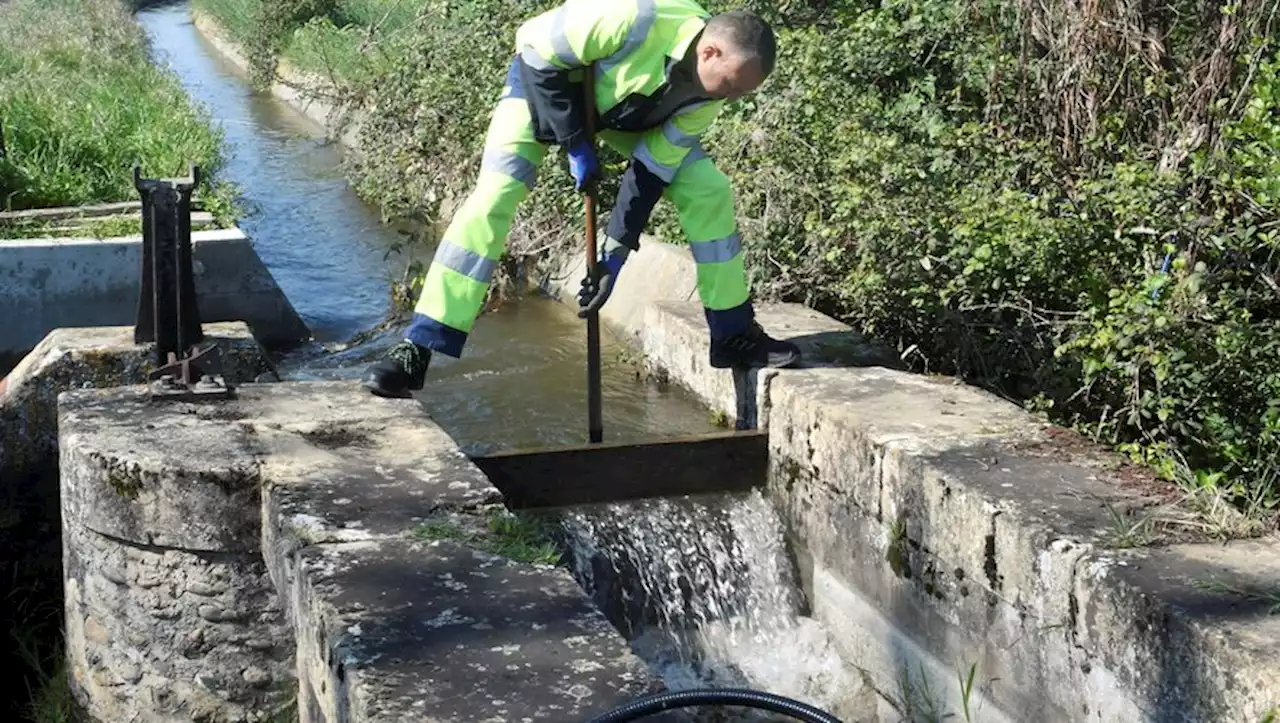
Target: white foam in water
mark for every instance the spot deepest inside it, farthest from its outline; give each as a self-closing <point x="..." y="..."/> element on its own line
<point x="725" y="609"/>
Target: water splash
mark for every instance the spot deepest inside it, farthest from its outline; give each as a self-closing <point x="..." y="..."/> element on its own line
<point x="705" y="589"/>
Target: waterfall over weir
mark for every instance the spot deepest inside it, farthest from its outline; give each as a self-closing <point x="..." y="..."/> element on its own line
<point x="706" y="591"/>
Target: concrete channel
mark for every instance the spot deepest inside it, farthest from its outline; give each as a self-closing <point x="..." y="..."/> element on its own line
<point x="918" y="550"/>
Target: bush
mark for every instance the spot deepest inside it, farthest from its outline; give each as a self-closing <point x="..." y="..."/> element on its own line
<point x="1075" y="208"/>
<point x="80" y="102"/>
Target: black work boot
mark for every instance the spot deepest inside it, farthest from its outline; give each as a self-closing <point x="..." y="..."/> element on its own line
<point x="401" y="370"/>
<point x="753" y="348"/>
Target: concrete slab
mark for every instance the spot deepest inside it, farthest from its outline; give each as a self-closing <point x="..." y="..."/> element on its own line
<point x="198" y="532"/>
<point x="170" y="612"/>
<point x="440" y="631"/>
<point x="349" y="488"/>
<point x="94" y="357"/>
<point x="48" y="284"/>
<point x="157" y="475"/>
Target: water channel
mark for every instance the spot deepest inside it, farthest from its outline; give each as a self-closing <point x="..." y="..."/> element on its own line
<point x="521" y="380"/>
<point x="521" y="383"/>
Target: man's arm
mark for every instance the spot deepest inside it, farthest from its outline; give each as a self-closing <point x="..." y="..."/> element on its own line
<point x="565" y="39"/>
<point x="654" y="163"/>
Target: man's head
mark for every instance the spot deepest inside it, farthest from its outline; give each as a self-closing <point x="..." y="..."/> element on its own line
<point x="735" y="54"/>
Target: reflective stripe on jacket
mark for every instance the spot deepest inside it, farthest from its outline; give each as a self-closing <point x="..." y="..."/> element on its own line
<point x="633" y="44"/>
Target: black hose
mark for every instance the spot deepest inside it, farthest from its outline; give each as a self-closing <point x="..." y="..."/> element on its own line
<point x="658" y="702"/>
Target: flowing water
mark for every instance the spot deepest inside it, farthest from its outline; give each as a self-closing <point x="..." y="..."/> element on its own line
<point x="707" y="591"/>
<point x="703" y="587"/>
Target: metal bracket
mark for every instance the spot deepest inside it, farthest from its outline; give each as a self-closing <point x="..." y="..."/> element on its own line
<point x="167" y="310"/>
<point x="174" y="381"/>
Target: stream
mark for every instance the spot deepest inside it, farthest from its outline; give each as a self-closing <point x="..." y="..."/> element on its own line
<point x="522" y="378"/>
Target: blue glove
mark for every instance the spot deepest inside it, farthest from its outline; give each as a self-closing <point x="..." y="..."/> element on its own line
<point x="595" y="292"/>
<point x="582" y="163"/>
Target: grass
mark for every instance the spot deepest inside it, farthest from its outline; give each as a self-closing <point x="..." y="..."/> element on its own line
<point x="81" y="102"/>
<point x="1269" y="597"/>
<point x="36" y="641"/>
<point x="515" y="537"/>
<point x="1128" y="531"/>
<point x="104" y="228"/>
<point x="918" y="703"/>
<point x="356" y="40"/>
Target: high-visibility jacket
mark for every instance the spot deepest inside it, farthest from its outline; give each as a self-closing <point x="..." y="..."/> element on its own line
<point x="637" y="46"/>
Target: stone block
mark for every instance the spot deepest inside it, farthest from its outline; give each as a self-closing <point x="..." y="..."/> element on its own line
<point x="399" y="630"/>
<point x="983" y="537"/>
<point x="185" y="479"/>
<point x="226" y="554"/>
<point x="392" y="626"/>
<point x="93" y="358"/>
<point x="170" y="612"/>
<point x="159" y="634"/>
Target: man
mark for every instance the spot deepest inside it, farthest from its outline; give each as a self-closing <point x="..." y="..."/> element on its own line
<point x="663" y="71"/>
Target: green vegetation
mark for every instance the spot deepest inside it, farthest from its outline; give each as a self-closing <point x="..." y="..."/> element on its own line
<point x="521" y="538"/>
<point x="98" y="228"/>
<point x="1076" y="208"/>
<point x="81" y="102"/>
<point x="39" y="691"/>
<point x="1261" y="595"/>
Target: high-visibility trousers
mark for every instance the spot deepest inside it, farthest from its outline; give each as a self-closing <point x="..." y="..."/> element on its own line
<point x="459" y="275"/>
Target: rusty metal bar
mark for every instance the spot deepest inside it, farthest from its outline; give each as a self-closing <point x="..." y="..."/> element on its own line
<point x="597" y="473"/>
<point x="595" y="397"/>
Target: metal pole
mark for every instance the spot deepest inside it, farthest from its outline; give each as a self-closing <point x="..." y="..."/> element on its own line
<point x="595" y="414"/>
<point x="168" y="313"/>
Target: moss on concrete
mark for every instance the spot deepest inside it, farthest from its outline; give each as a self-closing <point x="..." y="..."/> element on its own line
<point x="518" y="537"/>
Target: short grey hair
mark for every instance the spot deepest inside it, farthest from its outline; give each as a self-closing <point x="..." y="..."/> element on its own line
<point x="749" y="34"/>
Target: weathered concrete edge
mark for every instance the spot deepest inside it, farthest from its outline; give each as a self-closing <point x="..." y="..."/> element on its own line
<point x="76" y="282"/>
<point x="99" y="357"/>
<point x="655" y="304"/>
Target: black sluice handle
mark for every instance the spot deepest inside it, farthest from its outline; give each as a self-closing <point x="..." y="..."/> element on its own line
<point x="759" y="700"/>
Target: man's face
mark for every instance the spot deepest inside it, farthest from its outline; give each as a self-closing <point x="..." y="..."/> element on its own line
<point x="724" y="74"/>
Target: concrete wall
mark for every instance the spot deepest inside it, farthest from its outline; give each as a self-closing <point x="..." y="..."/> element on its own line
<point x="943" y="530"/>
<point x="48" y="284"/>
